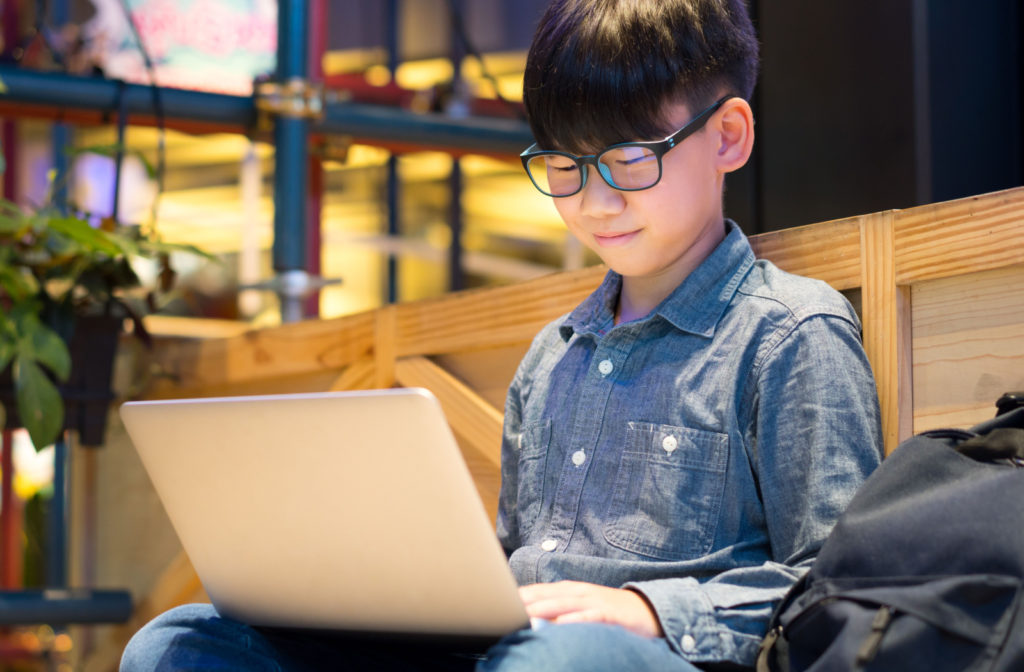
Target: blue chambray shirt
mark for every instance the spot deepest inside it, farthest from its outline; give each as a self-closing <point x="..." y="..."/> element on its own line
<point x="700" y="455"/>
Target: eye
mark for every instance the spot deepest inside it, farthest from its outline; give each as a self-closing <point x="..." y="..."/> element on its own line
<point x="561" y="164"/>
<point x="634" y="160"/>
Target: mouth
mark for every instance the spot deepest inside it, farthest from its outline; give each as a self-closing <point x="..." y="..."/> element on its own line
<point x="615" y="239"/>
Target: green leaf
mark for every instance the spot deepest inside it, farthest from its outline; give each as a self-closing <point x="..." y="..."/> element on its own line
<point x="39" y="403"/>
<point x="82" y="233"/>
<point x="42" y="345"/>
<point x="7" y="348"/>
<point x="155" y="247"/>
<point x="16" y="284"/>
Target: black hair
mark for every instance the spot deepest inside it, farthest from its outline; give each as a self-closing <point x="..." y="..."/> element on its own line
<point x="601" y="71"/>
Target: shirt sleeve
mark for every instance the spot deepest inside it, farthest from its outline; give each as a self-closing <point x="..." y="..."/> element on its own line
<point x="506" y="525"/>
<point x="814" y="435"/>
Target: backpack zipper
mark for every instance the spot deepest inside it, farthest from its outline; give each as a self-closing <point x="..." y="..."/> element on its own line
<point x="873" y="642"/>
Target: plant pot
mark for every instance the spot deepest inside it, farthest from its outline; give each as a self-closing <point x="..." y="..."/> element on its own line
<point x="87" y="394"/>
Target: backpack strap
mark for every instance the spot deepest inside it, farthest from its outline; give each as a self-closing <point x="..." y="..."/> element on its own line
<point x="999" y="444"/>
<point x="773" y="647"/>
<point x="1001" y="438"/>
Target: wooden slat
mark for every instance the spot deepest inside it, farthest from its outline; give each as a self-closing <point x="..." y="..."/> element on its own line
<point x="886" y="316"/>
<point x="968" y="346"/>
<point x="829" y="251"/>
<point x="957" y="237"/>
<point x="288" y="350"/>
<point x="360" y="375"/>
<point x="475" y="423"/>
<point x="384" y="347"/>
<point x="490" y="318"/>
<point x="470" y="416"/>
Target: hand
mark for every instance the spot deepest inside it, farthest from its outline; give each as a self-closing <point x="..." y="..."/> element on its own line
<point x="577" y="602"/>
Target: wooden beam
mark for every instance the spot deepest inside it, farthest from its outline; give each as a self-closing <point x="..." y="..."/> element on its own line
<point x="260" y="354"/>
<point x="886" y="318"/>
<point x="963" y="236"/>
<point x="829" y="251"/>
<point x="359" y="375"/>
<point x="490" y="317"/>
<point x="470" y="416"/>
<point x="384" y="348"/>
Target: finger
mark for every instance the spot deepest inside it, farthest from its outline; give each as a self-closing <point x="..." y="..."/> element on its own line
<point x="553" y="608"/>
<point x="591" y="615"/>
<point x="544" y="591"/>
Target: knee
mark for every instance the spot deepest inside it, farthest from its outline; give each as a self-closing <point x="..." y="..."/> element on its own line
<point x="171" y="633"/>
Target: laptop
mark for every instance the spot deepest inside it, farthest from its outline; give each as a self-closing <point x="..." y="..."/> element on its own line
<point x="344" y="511"/>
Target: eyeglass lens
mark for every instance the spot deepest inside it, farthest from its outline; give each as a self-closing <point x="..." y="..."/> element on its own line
<point x="629" y="167"/>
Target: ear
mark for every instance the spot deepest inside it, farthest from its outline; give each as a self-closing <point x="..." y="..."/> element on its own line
<point x="735" y="126"/>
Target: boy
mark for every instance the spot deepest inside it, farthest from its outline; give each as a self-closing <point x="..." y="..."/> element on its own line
<point x="676" y="448"/>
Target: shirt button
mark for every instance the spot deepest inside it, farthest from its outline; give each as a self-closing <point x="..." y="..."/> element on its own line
<point x="549" y="545"/>
<point x="669" y="443"/>
<point x="688" y="643"/>
<point x="579" y="457"/>
<point x="605" y="367"/>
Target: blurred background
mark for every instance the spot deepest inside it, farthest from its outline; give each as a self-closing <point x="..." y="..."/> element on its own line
<point x="405" y="182"/>
<point x="861" y="107"/>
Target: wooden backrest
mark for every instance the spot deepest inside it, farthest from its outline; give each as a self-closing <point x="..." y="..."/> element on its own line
<point x="940" y="290"/>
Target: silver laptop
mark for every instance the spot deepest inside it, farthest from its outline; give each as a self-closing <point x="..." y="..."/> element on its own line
<point x="347" y="511"/>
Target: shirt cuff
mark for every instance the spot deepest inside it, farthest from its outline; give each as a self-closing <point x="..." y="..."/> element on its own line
<point x="687" y="617"/>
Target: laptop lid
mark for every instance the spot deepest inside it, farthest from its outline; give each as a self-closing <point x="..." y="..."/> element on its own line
<point x="340" y="510"/>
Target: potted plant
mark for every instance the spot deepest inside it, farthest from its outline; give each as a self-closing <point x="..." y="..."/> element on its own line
<point x="63" y="283"/>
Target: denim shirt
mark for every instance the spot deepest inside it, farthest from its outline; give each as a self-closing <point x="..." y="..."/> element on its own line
<point x="699" y="455"/>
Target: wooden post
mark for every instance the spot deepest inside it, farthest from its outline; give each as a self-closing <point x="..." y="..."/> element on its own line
<point x="886" y="317"/>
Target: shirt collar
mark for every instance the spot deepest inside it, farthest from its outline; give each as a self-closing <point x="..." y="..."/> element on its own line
<point x="695" y="306"/>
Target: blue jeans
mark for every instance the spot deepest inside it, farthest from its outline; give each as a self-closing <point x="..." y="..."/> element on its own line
<point x="195" y="637"/>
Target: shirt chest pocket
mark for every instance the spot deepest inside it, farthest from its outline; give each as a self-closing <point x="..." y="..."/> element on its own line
<point x="668" y="491"/>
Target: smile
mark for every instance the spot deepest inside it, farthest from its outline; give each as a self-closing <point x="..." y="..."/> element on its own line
<point x="614" y="239"/>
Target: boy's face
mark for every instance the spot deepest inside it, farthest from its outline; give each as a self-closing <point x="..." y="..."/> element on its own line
<point x="659" y="233"/>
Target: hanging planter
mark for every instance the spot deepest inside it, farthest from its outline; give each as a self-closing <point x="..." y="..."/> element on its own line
<point x="62" y="285"/>
<point x="87" y="392"/>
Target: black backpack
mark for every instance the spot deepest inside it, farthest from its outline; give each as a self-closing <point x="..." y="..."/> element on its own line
<point x="924" y="569"/>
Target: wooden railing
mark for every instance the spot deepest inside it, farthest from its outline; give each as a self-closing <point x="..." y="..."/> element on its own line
<point x="940" y="290"/>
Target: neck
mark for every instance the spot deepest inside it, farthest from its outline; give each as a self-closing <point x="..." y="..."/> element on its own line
<point x="640" y="295"/>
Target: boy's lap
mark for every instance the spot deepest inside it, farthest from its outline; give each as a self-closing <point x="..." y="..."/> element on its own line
<point x="192" y="636"/>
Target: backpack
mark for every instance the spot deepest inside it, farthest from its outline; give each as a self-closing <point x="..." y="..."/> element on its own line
<point x="924" y="569"/>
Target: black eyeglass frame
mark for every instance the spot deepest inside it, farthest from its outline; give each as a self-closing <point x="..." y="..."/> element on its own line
<point x="657" y="147"/>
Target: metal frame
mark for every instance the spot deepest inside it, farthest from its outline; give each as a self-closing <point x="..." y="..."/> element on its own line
<point x="298" y="112"/>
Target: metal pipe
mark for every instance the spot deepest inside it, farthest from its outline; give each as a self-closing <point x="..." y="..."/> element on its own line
<point x="456" y="275"/>
<point x="57" y="526"/>
<point x="64" y="607"/>
<point x="62" y="134"/>
<point x="362" y="121"/>
<point x="10" y="548"/>
<point x="393" y="184"/>
<point x="291" y="160"/>
<point x="57" y="89"/>
<point x="318" y="21"/>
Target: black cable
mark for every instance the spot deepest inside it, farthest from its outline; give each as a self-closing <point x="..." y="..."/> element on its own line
<point x="43" y="30"/>
<point x="459" y="26"/>
<point x="158" y="108"/>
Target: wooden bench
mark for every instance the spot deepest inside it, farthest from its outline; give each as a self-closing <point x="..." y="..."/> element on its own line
<point x="940" y="290"/>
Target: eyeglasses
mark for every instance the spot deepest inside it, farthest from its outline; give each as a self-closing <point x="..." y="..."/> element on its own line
<point x="627" y="166"/>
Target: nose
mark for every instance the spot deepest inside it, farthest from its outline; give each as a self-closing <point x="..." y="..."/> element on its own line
<point x="598" y="198"/>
